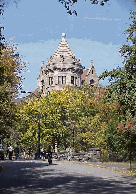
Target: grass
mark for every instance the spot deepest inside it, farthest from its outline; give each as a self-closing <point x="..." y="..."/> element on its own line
<point x="126" y="162"/>
<point x="132" y="170"/>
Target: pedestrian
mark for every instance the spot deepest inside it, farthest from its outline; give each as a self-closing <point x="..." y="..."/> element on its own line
<point x="10" y="151"/>
<point x="24" y="153"/>
<point x="50" y="149"/>
<point x="28" y="154"/>
<point x="41" y="153"/>
<point x="69" y="153"/>
<point x="16" y="151"/>
<point x="44" y="154"/>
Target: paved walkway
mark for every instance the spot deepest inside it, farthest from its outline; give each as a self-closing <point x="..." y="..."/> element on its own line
<point x="120" y="166"/>
<point x="37" y="176"/>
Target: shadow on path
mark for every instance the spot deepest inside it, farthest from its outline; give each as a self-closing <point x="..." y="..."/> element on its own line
<point x="39" y="177"/>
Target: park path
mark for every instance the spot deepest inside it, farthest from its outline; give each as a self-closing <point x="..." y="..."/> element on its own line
<point x="38" y="177"/>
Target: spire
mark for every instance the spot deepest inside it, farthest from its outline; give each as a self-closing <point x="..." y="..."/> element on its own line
<point x="63" y="50"/>
<point x="42" y="64"/>
<point x="63" y="36"/>
<point x="92" y="66"/>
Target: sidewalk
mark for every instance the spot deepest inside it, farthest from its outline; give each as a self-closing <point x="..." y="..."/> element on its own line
<point x="114" y="165"/>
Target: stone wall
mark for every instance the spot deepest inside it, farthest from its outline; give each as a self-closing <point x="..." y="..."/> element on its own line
<point x="93" y="155"/>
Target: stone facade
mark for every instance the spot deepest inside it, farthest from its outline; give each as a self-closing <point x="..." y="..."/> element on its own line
<point x="63" y="69"/>
<point x="91" y="77"/>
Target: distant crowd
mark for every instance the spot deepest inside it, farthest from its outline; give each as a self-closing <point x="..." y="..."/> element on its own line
<point x="45" y="153"/>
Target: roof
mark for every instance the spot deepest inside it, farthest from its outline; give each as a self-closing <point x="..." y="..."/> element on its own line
<point x="85" y="71"/>
<point x="21" y="99"/>
<point x="63" y="49"/>
<point x="35" y="91"/>
<point x="63" y="54"/>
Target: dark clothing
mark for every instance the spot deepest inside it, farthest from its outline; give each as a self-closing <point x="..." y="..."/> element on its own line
<point x="44" y="154"/>
<point x="16" y="156"/>
<point x="16" y="150"/>
<point x="49" y="154"/>
<point x="7" y="153"/>
<point x="10" y="155"/>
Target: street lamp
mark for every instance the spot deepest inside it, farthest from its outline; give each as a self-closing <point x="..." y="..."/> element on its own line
<point x="38" y="149"/>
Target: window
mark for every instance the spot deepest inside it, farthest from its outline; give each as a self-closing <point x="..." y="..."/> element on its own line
<point x="72" y="79"/>
<point x="50" y="80"/>
<point x="76" y="81"/>
<point x="42" y="82"/>
<point x="91" y="81"/>
<point x="59" y="79"/>
<point x="92" y="71"/>
<point x="63" y="79"/>
<point x="42" y="88"/>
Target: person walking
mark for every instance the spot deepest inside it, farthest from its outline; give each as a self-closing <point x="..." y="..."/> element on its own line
<point x="28" y="154"/>
<point x="10" y="150"/>
<point x="44" y="154"/>
<point x="50" y="149"/>
<point x="69" y="153"/>
<point x="24" y="153"/>
<point x="16" y="151"/>
<point x="41" y="153"/>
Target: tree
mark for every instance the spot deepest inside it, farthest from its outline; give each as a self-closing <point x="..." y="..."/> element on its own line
<point x="70" y="117"/>
<point x="10" y="81"/>
<point x="123" y="80"/>
<point x="122" y="88"/>
<point x="69" y="3"/>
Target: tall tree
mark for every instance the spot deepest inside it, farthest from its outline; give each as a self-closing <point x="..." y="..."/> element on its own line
<point x="123" y="80"/>
<point x="10" y="81"/>
<point x="122" y="88"/>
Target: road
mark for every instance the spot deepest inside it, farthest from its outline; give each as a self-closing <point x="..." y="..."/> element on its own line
<point x="34" y="176"/>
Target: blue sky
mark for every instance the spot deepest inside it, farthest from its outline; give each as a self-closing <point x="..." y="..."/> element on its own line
<point x="95" y="33"/>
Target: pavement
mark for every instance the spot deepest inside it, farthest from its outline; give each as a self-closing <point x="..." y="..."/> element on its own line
<point x="65" y="177"/>
<point x="114" y="165"/>
<point x="110" y="165"/>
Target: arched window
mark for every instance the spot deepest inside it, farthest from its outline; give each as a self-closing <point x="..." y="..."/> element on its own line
<point x="91" y="81"/>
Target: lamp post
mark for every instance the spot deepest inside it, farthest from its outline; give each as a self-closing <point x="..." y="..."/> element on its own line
<point x="38" y="156"/>
<point x="38" y="148"/>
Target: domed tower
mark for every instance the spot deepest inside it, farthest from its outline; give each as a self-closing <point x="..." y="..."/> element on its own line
<point x="61" y="69"/>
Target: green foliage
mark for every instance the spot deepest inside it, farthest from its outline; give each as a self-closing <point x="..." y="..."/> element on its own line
<point x="122" y="89"/>
<point x="70" y="117"/>
<point x="123" y="80"/>
<point x="10" y="67"/>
